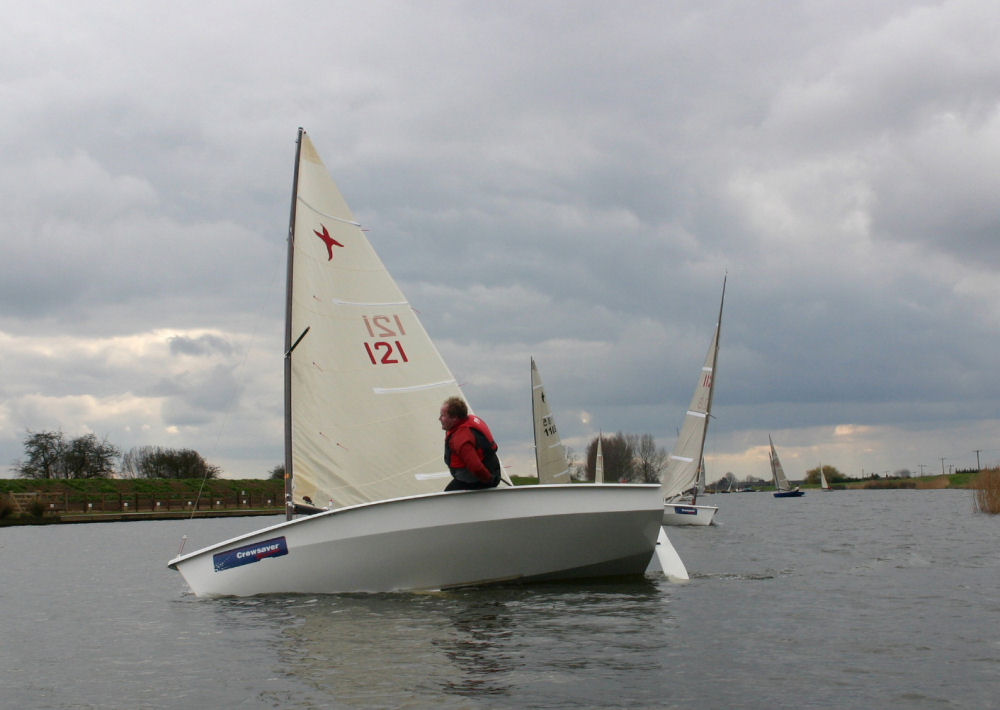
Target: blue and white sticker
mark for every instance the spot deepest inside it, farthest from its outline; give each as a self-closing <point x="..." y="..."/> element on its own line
<point x="248" y="554"/>
<point x="685" y="510"/>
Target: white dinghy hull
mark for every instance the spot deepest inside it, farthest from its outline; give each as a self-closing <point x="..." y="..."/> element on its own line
<point x="439" y="541"/>
<point x="687" y="514"/>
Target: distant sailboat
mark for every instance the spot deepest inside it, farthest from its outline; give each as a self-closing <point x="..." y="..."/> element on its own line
<point x="683" y="478"/>
<point x="550" y="454"/>
<point x="784" y="489"/>
<point x="599" y="461"/>
<point x="822" y="480"/>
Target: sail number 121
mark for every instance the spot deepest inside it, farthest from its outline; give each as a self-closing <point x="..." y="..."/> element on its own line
<point x="388" y="350"/>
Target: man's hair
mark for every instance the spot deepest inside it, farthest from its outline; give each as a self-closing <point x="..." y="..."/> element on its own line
<point x="456" y="407"/>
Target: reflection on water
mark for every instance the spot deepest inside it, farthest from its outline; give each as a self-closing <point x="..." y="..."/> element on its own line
<point x="380" y="650"/>
<point x="475" y="644"/>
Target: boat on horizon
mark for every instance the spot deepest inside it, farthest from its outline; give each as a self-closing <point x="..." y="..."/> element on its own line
<point x="599" y="459"/>
<point x="823" y="484"/>
<point x="781" y="484"/>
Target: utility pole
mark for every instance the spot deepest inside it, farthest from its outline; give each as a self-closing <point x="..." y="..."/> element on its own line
<point x="921" y="465"/>
<point x="978" y="467"/>
<point x="942" y="465"/>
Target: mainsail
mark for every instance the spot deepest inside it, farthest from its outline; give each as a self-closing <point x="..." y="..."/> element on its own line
<point x="685" y="461"/>
<point x="364" y="382"/>
<point x="550" y="456"/>
<point x="780" y="480"/>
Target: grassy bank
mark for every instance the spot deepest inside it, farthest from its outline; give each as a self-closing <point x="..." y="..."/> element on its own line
<point x="952" y="480"/>
<point x="43" y="501"/>
<point x="161" y="486"/>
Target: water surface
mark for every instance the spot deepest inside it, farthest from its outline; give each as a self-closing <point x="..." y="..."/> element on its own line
<point x="844" y="599"/>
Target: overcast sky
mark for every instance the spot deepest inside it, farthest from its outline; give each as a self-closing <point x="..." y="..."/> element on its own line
<point x="564" y="180"/>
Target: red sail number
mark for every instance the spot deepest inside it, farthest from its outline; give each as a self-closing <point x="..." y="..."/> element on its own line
<point x="386" y="353"/>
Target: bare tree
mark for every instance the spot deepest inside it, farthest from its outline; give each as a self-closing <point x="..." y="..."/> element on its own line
<point x="49" y="455"/>
<point x="44" y="453"/>
<point x="157" y="462"/>
<point x="649" y="460"/>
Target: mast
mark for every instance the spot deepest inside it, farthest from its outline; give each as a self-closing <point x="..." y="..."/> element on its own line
<point x="534" y="424"/>
<point x="715" y="357"/>
<point x="289" y="505"/>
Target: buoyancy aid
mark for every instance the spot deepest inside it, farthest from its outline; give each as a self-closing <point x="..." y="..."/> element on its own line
<point x="486" y="447"/>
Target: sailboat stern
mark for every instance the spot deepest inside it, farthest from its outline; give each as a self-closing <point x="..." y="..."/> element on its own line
<point x="689" y="514"/>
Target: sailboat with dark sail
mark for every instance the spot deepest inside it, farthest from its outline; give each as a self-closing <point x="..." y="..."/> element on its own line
<point x="783" y="487"/>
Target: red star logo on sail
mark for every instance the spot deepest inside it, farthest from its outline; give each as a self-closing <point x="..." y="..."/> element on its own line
<point x="328" y="240"/>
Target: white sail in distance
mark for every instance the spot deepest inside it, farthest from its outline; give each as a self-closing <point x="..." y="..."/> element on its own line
<point x="550" y="454"/>
<point x="599" y="461"/>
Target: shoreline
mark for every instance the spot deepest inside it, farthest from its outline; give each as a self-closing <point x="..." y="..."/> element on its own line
<point x="123" y="517"/>
<point x="57" y="501"/>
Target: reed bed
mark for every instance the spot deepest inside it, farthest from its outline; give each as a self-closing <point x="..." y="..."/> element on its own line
<point x="932" y="483"/>
<point x="986" y="491"/>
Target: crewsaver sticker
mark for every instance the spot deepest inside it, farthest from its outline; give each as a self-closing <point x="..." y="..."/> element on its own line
<point x="685" y="510"/>
<point x="248" y="554"/>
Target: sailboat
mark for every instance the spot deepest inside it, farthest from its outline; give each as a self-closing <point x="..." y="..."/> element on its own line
<point x="682" y="480"/>
<point x="822" y="480"/>
<point x="550" y="455"/>
<point x="784" y="489"/>
<point x="364" y="470"/>
<point x="599" y="460"/>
